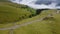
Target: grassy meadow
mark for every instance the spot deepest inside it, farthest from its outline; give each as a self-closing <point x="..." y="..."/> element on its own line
<point x="11" y="13"/>
<point x="50" y="26"/>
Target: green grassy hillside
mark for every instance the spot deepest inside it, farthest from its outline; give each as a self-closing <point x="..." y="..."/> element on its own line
<point x="48" y="26"/>
<point x="12" y="12"/>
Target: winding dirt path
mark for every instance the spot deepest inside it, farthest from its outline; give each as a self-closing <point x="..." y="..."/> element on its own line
<point x="17" y="26"/>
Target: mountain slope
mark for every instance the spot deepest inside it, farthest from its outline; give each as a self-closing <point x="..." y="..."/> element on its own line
<point x="12" y="12"/>
<point x="48" y="26"/>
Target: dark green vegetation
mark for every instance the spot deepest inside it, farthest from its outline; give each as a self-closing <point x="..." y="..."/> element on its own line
<point x="12" y="12"/>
